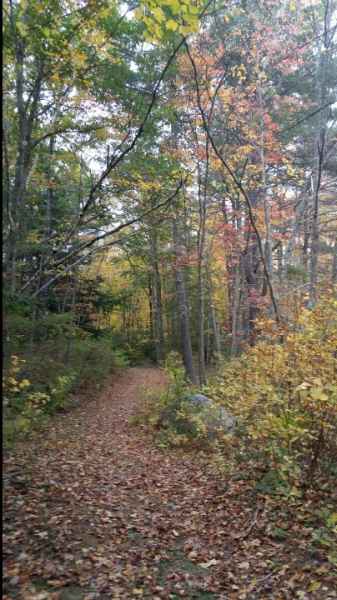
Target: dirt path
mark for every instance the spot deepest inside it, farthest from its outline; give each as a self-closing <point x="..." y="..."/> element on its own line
<point x="93" y="510"/>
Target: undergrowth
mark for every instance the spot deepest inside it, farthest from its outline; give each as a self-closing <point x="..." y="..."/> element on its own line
<point x="284" y="396"/>
<point x="162" y="411"/>
<point x="46" y="363"/>
<point x="173" y="418"/>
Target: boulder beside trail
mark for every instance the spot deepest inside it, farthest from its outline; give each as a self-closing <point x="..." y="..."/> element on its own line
<point x="217" y="418"/>
<point x="199" y="400"/>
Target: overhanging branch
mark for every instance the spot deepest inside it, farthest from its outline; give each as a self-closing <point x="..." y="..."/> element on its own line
<point x="87" y="245"/>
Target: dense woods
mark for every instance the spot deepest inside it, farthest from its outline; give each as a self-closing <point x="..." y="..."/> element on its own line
<point x="170" y="197"/>
<point x="170" y="174"/>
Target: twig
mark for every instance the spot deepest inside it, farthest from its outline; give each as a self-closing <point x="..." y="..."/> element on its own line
<point x="248" y="531"/>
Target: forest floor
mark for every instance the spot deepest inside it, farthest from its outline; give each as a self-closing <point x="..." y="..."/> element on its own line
<point x="94" y="510"/>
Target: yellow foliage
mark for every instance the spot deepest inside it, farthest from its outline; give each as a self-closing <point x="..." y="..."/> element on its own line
<point x="285" y="394"/>
<point x="166" y="16"/>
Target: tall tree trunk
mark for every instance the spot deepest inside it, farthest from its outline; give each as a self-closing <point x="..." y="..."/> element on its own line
<point x="202" y="199"/>
<point x="280" y="263"/>
<point x="157" y="311"/>
<point x="334" y="264"/>
<point x="235" y="309"/>
<point x="212" y="314"/>
<point x="151" y="307"/>
<point x="306" y="239"/>
<point x="50" y="191"/>
<point x="322" y="78"/>
<point x="266" y="207"/>
<point x="201" y="320"/>
<point x="23" y="164"/>
<point x="183" y="308"/>
<point x="251" y="267"/>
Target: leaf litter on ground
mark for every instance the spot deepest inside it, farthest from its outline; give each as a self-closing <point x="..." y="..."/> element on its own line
<point x="94" y="510"/>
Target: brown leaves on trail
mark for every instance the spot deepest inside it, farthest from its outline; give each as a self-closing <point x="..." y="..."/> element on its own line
<point x="94" y="511"/>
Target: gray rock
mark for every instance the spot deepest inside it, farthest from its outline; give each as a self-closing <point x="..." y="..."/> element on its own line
<point x="222" y="419"/>
<point x="199" y="400"/>
<point x="216" y="417"/>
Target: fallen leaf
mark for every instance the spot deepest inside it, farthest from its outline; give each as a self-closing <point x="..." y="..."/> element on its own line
<point x="208" y="564"/>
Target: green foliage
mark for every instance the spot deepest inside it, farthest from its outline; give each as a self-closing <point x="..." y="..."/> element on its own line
<point x="176" y="374"/>
<point x="47" y="326"/>
<point x="297" y="273"/>
<point x="174" y="419"/>
<point x="49" y="360"/>
<point x="94" y="359"/>
<point x="139" y="350"/>
<point x="285" y="398"/>
<point x="326" y="535"/>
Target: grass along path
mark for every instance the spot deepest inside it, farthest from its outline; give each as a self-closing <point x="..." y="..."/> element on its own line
<point x="93" y="510"/>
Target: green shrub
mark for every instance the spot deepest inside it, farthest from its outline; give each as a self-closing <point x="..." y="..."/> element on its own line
<point x="175" y="421"/>
<point x="139" y="350"/>
<point x="41" y="374"/>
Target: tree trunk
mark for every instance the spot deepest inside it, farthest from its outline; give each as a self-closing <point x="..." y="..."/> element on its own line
<point x="27" y="115"/>
<point x="183" y="309"/>
<point x="266" y="206"/>
<point x="236" y="309"/>
<point x="322" y="78"/>
<point x="151" y="308"/>
<point x="212" y="315"/>
<point x="201" y="283"/>
<point x="334" y="265"/>
<point x="50" y="192"/>
<point x="157" y="311"/>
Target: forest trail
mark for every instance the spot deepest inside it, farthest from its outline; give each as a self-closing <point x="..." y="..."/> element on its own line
<point x="93" y="510"/>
